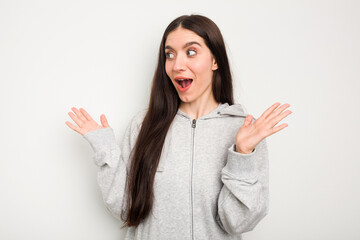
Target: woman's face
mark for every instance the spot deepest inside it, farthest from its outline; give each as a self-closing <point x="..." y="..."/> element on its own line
<point x="190" y="65"/>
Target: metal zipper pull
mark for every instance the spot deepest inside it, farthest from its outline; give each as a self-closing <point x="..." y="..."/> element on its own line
<point x="193" y="123"/>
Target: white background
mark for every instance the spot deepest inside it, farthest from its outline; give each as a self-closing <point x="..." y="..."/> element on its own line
<point x="100" y="55"/>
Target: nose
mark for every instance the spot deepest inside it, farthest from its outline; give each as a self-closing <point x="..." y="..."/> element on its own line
<point x="180" y="64"/>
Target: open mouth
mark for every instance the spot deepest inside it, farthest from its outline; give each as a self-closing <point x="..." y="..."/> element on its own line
<point x="184" y="84"/>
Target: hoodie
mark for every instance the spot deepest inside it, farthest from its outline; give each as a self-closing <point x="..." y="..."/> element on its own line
<point x="203" y="188"/>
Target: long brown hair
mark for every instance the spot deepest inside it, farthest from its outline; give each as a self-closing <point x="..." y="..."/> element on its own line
<point x="163" y="106"/>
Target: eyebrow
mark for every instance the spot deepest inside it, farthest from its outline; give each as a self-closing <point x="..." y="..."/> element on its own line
<point x="185" y="46"/>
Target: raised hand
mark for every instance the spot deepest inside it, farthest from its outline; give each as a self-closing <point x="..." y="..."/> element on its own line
<point x="249" y="135"/>
<point x="85" y="122"/>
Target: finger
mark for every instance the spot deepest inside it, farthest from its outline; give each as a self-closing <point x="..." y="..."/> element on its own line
<point x="269" y="111"/>
<point x="278" y="128"/>
<point x="280" y="117"/>
<point x="281" y="108"/>
<point x="248" y="120"/>
<point x="76" y="120"/>
<point x="87" y="116"/>
<point x="73" y="127"/>
<point x="104" y="121"/>
<point x="79" y="114"/>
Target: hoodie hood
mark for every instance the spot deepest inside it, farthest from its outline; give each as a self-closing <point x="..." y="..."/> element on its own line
<point x="223" y="110"/>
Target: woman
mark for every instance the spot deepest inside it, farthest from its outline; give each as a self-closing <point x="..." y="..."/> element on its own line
<point x="193" y="165"/>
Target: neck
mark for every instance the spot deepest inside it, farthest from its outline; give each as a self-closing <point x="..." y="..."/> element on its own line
<point x="200" y="107"/>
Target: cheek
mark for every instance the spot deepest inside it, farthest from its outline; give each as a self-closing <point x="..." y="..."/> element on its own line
<point x="202" y="68"/>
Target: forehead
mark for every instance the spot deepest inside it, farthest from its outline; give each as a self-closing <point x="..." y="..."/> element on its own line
<point x="180" y="36"/>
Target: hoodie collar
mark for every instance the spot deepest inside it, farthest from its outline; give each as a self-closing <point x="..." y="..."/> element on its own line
<point x="222" y="110"/>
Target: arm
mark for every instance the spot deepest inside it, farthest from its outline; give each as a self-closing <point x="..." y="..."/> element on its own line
<point x="113" y="162"/>
<point x="244" y="197"/>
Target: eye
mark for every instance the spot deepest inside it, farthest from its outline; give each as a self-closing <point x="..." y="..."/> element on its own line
<point x="191" y="52"/>
<point x="169" y="55"/>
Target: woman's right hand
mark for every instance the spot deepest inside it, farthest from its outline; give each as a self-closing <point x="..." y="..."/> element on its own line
<point x="85" y="122"/>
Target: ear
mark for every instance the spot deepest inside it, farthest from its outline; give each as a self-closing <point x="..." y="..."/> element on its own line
<point x="214" y="65"/>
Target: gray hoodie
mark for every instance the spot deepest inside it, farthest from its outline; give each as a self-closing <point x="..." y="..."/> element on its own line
<point x="203" y="188"/>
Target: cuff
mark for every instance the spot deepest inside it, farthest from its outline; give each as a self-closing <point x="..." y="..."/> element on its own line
<point x="109" y="157"/>
<point x="103" y="138"/>
<point x="241" y="165"/>
<point x="103" y="143"/>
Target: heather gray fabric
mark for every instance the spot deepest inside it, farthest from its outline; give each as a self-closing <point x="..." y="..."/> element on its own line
<point x="203" y="188"/>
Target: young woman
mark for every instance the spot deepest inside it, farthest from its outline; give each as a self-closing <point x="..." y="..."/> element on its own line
<point x="193" y="165"/>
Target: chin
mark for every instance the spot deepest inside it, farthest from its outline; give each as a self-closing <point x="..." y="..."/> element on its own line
<point x="185" y="99"/>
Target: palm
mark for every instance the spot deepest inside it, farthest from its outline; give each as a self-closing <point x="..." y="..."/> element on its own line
<point x="249" y="135"/>
<point x="85" y="122"/>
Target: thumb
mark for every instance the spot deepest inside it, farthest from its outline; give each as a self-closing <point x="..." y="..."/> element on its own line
<point x="104" y="121"/>
<point x="248" y="120"/>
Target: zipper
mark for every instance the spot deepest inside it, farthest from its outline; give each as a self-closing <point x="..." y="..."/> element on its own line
<point x="193" y="126"/>
<point x="193" y="123"/>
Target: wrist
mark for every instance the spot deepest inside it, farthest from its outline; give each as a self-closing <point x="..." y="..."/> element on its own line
<point x="243" y="151"/>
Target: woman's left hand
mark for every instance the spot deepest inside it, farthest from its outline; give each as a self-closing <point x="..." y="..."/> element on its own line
<point x="249" y="135"/>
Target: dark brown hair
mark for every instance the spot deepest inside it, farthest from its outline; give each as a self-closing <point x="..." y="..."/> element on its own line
<point x="163" y="106"/>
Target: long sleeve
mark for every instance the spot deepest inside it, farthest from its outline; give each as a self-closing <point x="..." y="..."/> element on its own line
<point x="244" y="198"/>
<point x="113" y="162"/>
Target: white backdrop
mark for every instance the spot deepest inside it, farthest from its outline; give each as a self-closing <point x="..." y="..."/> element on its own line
<point x="100" y="55"/>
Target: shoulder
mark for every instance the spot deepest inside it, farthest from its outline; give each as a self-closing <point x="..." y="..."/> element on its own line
<point x="235" y="113"/>
<point x="137" y="120"/>
<point x="235" y="110"/>
<point x="139" y="116"/>
<point x="133" y="128"/>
